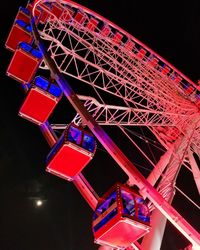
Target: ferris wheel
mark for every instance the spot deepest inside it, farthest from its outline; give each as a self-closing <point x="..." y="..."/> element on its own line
<point x="130" y="87"/>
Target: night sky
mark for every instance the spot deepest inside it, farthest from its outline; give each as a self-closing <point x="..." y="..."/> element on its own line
<point x="63" y="222"/>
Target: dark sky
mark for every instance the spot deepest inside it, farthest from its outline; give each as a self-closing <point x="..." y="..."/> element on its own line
<point x="64" y="220"/>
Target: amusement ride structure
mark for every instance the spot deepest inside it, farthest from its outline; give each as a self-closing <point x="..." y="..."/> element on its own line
<point x="131" y="86"/>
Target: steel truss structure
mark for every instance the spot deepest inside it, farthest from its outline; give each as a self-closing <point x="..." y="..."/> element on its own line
<point x="146" y="90"/>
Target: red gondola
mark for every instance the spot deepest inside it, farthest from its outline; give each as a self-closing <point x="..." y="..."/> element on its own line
<point x="68" y="13"/>
<point x="189" y="89"/>
<point x="73" y="151"/>
<point x="79" y="19"/>
<point x="40" y="101"/>
<point x="129" y="45"/>
<point x="24" y="63"/>
<point x="117" y="38"/>
<point x="92" y="24"/>
<point x="105" y="31"/>
<point x="23" y="14"/>
<point x="165" y="70"/>
<point x="20" y="32"/>
<point x="121" y="217"/>
<point x="141" y="53"/>
<point x="153" y="61"/>
<point x="56" y="9"/>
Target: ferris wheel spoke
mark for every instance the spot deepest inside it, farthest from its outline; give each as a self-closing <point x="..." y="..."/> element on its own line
<point x="136" y="78"/>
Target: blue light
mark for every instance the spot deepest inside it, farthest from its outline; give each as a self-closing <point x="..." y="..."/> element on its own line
<point x="25" y="10"/>
<point x="144" y="218"/>
<point x="186" y="86"/>
<point x="88" y="142"/>
<point x="173" y="76"/>
<point x="105" y="220"/>
<point x="41" y="82"/>
<point x="26" y="86"/>
<point x="36" y="53"/>
<point x="48" y="5"/>
<point x="55" y="90"/>
<point x="21" y="23"/>
<point x="74" y="135"/>
<point x="25" y="46"/>
<point x="29" y="28"/>
<point x="28" y="48"/>
<point x="198" y="96"/>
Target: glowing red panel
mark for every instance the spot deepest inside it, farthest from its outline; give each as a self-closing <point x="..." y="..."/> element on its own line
<point x="117" y="37"/>
<point x="56" y="10"/>
<point x="23" y="66"/>
<point x="43" y="17"/>
<point x="120" y="232"/>
<point x="166" y="70"/>
<point x="129" y="45"/>
<point x="68" y="161"/>
<point x="141" y="53"/>
<point x="80" y="17"/>
<point x="198" y="103"/>
<point x="92" y="24"/>
<point x="23" y="16"/>
<point x="153" y="62"/>
<point x="17" y="35"/>
<point x="37" y="11"/>
<point x="106" y="30"/>
<point x="37" y="106"/>
<point x="29" y="6"/>
<point x="189" y="90"/>
<point x="178" y="79"/>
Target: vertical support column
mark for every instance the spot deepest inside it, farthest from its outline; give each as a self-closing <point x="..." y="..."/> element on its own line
<point x="153" y="240"/>
<point x="160" y="166"/>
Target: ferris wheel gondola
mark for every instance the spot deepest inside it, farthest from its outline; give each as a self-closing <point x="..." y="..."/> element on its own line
<point x="73" y="151"/>
<point x="120" y="218"/>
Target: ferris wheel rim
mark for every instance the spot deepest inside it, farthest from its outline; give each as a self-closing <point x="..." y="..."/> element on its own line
<point x="143" y="45"/>
<point x="78" y="6"/>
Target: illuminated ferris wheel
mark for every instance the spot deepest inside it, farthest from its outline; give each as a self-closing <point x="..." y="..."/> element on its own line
<point x="130" y="87"/>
